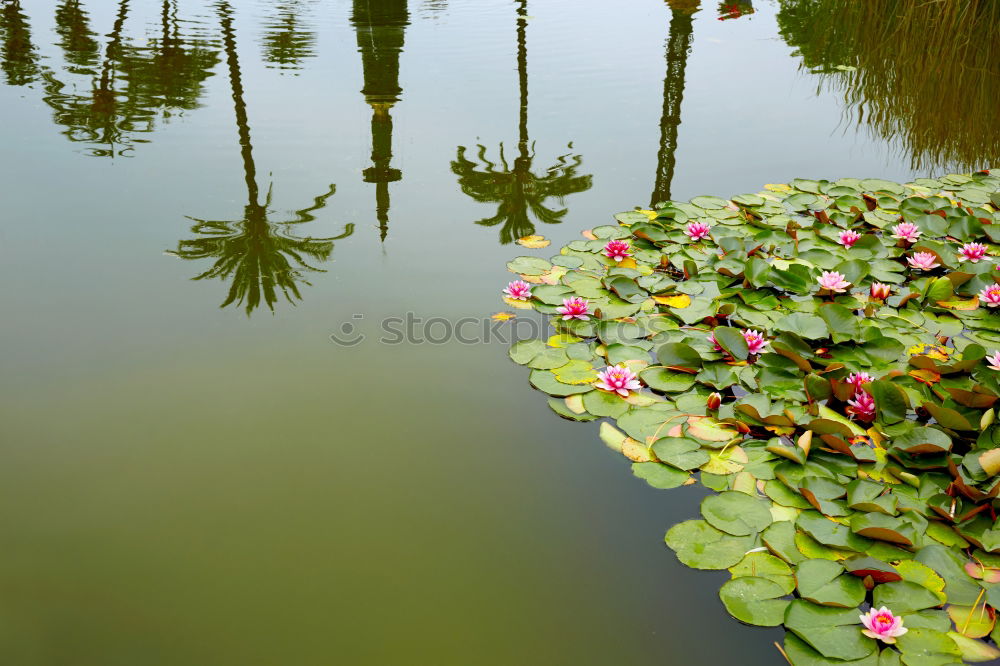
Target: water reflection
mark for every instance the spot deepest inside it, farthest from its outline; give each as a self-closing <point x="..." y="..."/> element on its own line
<point x="130" y="86"/>
<point x="259" y="257"/>
<point x="287" y="44"/>
<point x="678" y="47"/>
<point x="734" y="10"/>
<point x="76" y="39"/>
<point x="20" y="57"/>
<point x="380" y="26"/>
<point x="925" y="74"/>
<point x="518" y="192"/>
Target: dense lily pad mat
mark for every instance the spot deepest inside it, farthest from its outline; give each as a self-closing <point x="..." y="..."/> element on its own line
<point x="823" y="355"/>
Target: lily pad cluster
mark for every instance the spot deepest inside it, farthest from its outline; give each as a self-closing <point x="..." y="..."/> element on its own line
<point x="846" y="423"/>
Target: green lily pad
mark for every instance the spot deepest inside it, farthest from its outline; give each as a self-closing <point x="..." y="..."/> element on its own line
<point x="701" y="546"/>
<point x="754" y="600"/>
<point x="736" y="513"/>
<point x="833" y="632"/>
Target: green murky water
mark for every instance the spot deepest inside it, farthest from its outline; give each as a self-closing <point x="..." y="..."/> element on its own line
<point x="189" y="483"/>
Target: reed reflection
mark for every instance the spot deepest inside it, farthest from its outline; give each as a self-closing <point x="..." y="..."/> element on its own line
<point x="260" y="258"/>
<point x="519" y="193"/>
<point x="923" y="74"/>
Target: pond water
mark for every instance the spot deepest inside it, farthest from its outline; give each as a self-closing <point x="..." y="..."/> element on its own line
<point x="189" y="483"/>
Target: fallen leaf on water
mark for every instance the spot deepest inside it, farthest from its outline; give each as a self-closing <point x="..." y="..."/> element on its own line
<point x="534" y="241"/>
<point x="676" y="301"/>
<point x="503" y="316"/>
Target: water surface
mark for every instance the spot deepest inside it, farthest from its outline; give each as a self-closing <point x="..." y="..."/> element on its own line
<point x="197" y="195"/>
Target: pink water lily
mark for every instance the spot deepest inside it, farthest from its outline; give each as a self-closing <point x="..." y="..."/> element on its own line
<point x="697" y="230"/>
<point x="618" y="379"/>
<point x="994" y="361"/>
<point x="880" y="291"/>
<point x="849" y="238"/>
<point x="923" y="261"/>
<point x="617" y="250"/>
<point x="833" y="281"/>
<point x="862" y="406"/>
<point x="973" y="252"/>
<point x="715" y="343"/>
<point x="882" y="625"/>
<point x="755" y="341"/>
<point x="990" y="296"/>
<point x="574" y="308"/>
<point x="518" y="290"/>
<point x="906" y="231"/>
<point x="858" y="379"/>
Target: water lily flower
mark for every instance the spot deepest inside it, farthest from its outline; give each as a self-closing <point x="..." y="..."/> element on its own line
<point x="923" y="261"/>
<point x="880" y="291"/>
<point x="858" y="378"/>
<point x="882" y="625"/>
<point x="833" y="281"/>
<point x="849" y="238"/>
<point x="697" y="230"/>
<point x="973" y="252"/>
<point x="906" y="231"/>
<point x="863" y="405"/>
<point x="518" y="290"/>
<point x="990" y="296"/>
<point x="715" y="399"/>
<point x="755" y="341"/>
<point x="574" y="308"/>
<point x="617" y="250"/>
<point x="994" y="360"/>
<point x="618" y="379"/>
<point x="715" y="343"/>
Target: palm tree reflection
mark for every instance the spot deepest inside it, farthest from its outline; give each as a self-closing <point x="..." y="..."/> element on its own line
<point x="678" y="47"/>
<point x="20" y="58"/>
<point x="259" y="257"/>
<point x="76" y="39"/>
<point x="518" y="192"/>
<point x="130" y="86"/>
<point x="286" y="44"/>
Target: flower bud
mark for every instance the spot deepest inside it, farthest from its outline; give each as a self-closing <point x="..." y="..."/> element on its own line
<point x="880" y="291"/>
<point x="714" y="401"/>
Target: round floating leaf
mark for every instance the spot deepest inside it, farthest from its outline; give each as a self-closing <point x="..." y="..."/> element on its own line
<point x="668" y="381"/>
<point x="528" y="265"/>
<point x="904" y="597"/>
<point x="826" y="583"/>
<point x="926" y="647"/>
<point x="685" y="454"/>
<point x="576" y="372"/>
<point x="543" y="380"/>
<point x="678" y="354"/>
<point x="973" y="621"/>
<point x="732" y="341"/>
<point x="522" y="352"/>
<point x="754" y="600"/>
<point x="765" y="565"/>
<point x="709" y="202"/>
<point x="833" y="632"/>
<point x="972" y="650"/>
<point x="736" y="513"/>
<point x="701" y="546"/>
<point x="659" y="475"/>
<point x="880" y="572"/>
<point x="605" y="403"/>
<point x="800" y="654"/>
